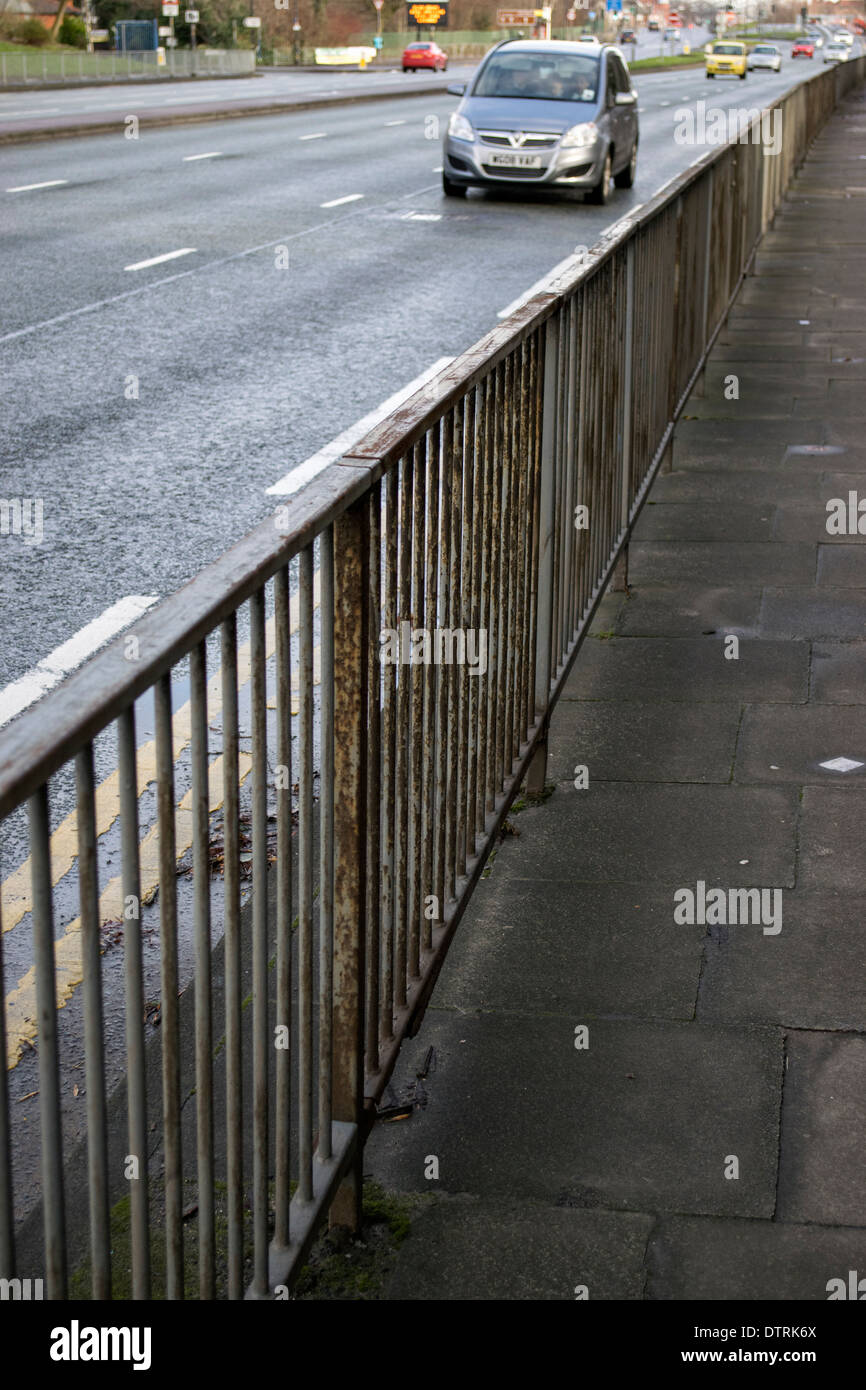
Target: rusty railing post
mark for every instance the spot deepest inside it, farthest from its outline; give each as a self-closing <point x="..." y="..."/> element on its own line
<point x="351" y="639"/>
<point x="537" y="774"/>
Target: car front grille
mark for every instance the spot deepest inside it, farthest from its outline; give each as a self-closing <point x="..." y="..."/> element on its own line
<point x="499" y="171"/>
<point x="532" y="140"/>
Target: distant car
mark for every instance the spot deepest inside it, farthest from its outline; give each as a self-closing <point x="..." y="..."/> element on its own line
<point x="671" y="34"/>
<point x="836" y="52"/>
<point x="803" y="48"/>
<point x="653" y="26"/>
<point x="544" y="114"/>
<point x="590" y="38"/>
<point x="424" y="55"/>
<point x="727" y="58"/>
<point x="628" y="36"/>
<point x="843" y="36"/>
<point x="675" y="22"/>
<point x="765" y="55"/>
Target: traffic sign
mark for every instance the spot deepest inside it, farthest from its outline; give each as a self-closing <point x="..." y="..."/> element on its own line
<point x="190" y="16"/>
<point x="428" y="16"/>
<point x="252" y="21"/>
<point x="514" y="19"/>
<point x="378" y="40"/>
<point x="170" y="8"/>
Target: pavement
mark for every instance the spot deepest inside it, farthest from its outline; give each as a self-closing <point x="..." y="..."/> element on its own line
<point x="621" y="1106"/>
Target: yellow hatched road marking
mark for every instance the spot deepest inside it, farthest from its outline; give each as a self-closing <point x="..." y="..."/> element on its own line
<point x="21" y="1013"/>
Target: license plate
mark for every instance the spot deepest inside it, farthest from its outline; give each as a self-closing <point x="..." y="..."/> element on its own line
<point x="516" y="161"/>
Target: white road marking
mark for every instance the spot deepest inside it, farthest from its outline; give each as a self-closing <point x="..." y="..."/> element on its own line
<point x="305" y="472"/>
<point x="26" y="187"/>
<point x="421" y="217"/>
<point x="439" y="169"/>
<point x="212" y="154"/>
<point x="158" y="260"/>
<point x="338" y="202"/>
<point x="395" y="122"/>
<point x="51" y="670"/>
<point x="319" y="135"/>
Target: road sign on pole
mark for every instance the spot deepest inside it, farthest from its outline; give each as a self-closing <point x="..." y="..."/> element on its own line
<point x="190" y="16"/>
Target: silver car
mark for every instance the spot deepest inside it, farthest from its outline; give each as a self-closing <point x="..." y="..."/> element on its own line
<point x="547" y="115"/>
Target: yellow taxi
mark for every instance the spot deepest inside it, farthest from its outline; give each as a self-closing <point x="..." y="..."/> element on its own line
<point x="727" y="57"/>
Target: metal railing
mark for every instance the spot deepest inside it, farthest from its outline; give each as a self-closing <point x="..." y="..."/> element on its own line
<point x="139" y="65"/>
<point x="449" y="532"/>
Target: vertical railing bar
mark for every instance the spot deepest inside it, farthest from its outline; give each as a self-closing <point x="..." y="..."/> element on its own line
<point x="283" y="1060"/>
<point x="495" y="468"/>
<point x="522" y="551"/>
<point x="134" y="1003"/>
<point x="169" y="989"/>
<point x="486" y="412"/>
<point x="452" y="670"/>
<point x="94" y="1039"/>
<point x="232" y="947"/>
<point x="305" y="879"/>
<point x="439" y="870"/>
<point x="464" y="680"/>
<point x="501" y="534"/>
<point x="7" y="1219"/>
<point x="203" y="1018"/>
<point x="428" y="815"/>
<point x="474" y="619"/>
<point x="389" y="701"/>
<point x="326" y="841"/>
<point x="372" y="962"/>
<point x="402" y="750"/>
<point x="415" y="900"/>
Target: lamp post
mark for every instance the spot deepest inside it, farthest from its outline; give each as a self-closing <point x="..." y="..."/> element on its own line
<point x="296" y="40"/>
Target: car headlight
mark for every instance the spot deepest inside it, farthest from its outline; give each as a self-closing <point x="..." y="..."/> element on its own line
<point x="579" y="135"/>
<point x="459" y="128"/>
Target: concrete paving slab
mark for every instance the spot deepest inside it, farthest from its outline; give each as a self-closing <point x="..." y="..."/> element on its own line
<point x="464" y="1249"/>
<point x="822" y="1176"/>
<point x="642" y="1119"/>
<point x="689" y="669"/>
<point x="679" y="610"/>
<point x="810" y="975"/>
<point x="678" y="522"/>
<point x="721" y="562"/>
<point x="600" y="948"/>
<point x="645" y="833"/>
<point x="662" y="742"/>
<point x="708" y="1258"/>
<point x="790" y="744"/>
<point x="831" y="839"/>
<point x="801" y="613"/>
<point x="843" y="566"/>
<point x="839" y="673"/>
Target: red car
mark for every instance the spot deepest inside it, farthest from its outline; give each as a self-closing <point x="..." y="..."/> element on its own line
<point x="424" y="55"/>
<point x="803" y="49"/>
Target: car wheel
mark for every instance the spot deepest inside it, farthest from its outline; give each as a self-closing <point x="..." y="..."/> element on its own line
<point x="600" y="193"/>
<point x="742" y="77"/>
<point x="452" y="189"/>
<point x="709" y="75"/>
<point x="626" y="177"/>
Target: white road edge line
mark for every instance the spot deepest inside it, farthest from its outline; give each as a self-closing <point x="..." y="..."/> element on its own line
<point x="49" y="672"/>
<point x="395" y="122"/>
<point x="158" y="260"/>
<point x="318" y="135"/>
<point x="212" y="154"/>
<point x="26" y="187"/>
<point x="304" y="473"/>
<point x="338" y="202"/>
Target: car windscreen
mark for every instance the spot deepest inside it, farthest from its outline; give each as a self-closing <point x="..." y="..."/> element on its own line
<point x="419" y="46"/>
<point x="764" y="48"/>
<point x="734" y="48"/>
<point x="539" y="77"/>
